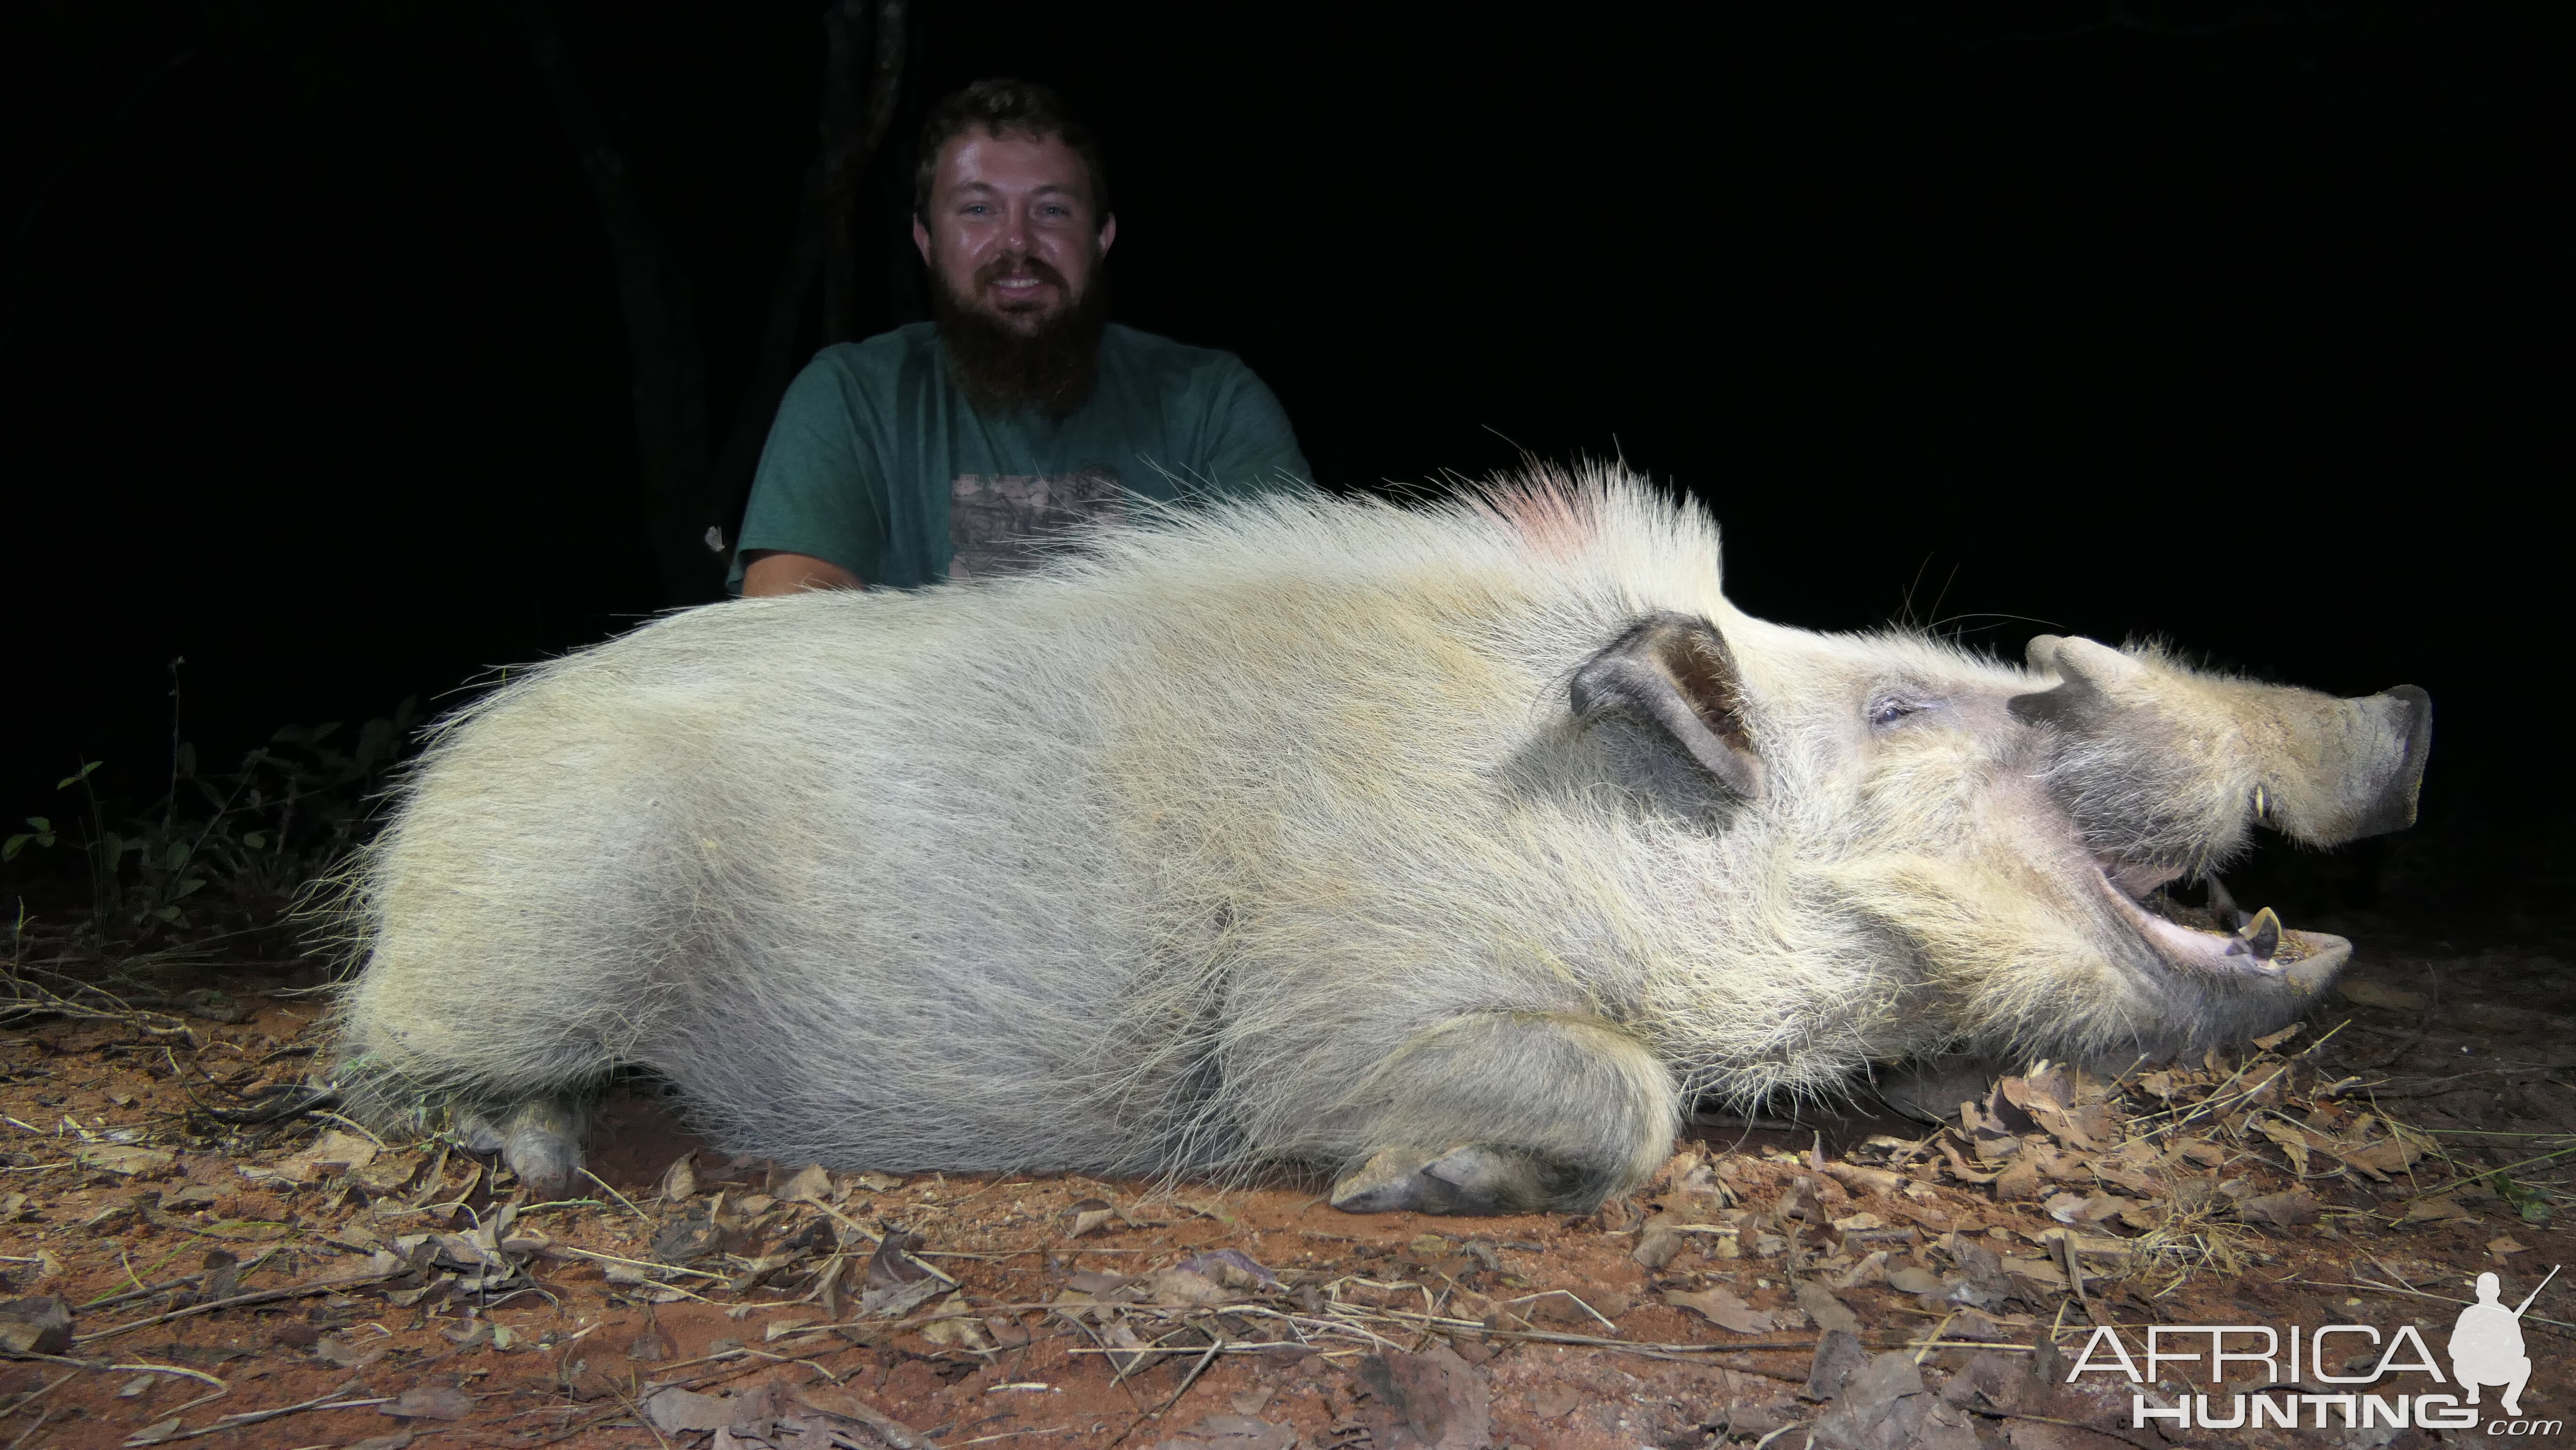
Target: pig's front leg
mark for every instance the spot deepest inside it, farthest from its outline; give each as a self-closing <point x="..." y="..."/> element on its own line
<point x="1509" y="1112"/>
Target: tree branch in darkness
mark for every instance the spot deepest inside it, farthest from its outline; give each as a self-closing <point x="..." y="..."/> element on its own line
<point x="855" y="122"/>
<point x="694" y="489"/>
<point x="666" y="364"/>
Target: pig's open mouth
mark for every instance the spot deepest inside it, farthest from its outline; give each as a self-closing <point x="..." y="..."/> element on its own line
<point x="2219" y="938"/>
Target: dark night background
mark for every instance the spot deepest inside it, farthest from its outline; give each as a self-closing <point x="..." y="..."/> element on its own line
<point x="2237" y="323"/>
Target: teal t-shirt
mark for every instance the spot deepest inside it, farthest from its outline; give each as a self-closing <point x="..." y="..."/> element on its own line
<point x="879" y="464"/>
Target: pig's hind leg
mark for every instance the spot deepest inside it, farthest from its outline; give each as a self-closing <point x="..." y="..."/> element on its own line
<point x="539" y="1137"/>
<point x="1509" y="1112"/>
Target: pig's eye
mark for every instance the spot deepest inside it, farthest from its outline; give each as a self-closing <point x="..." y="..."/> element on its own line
<point x="1888" y="712"/>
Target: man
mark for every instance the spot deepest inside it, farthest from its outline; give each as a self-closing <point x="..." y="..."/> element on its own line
<point x="944" y="450"/>
<point x="2486" y="1344"/>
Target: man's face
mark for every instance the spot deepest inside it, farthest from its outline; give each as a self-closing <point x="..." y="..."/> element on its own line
<point x="1011" y="232"/>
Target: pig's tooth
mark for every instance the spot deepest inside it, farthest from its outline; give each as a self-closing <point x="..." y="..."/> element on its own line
<point x="2262" y="935"/>
<point x="2225" y="905"/>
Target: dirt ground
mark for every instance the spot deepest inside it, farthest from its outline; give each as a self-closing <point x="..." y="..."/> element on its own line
<point x="1847" y="1282"/>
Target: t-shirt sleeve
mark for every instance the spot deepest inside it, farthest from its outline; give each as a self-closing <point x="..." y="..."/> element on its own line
<point x="821" y="487"/>
<point x="1251" y="448"/>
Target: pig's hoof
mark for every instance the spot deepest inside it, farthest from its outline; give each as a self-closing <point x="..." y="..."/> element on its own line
<point x="539" y="1139"/>
<point x="1471" y="1178"/>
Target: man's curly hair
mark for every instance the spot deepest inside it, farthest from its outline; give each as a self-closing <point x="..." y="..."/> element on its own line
<point x="1006" y="107"/>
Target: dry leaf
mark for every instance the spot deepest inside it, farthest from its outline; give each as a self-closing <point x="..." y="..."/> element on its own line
<point x="2043" y="1272"/>
<point x="2393" y="1154"/>
<point x="1871" y="1270"/>
<point x="2504" y="1247"/>
<point x="1829" y="1312"/>
<point x="1233" y="1268"/>
<point x="2292" y="1140"/>
<point x="2287" y="1210"/>
<point x="333" y="1154"/>
<point x="124" y="1158"/>
<point x="334" y="1350"/>
<point x="810" y="1185"/>
<point x="2204" y="1153"/>
<point x="680" y="1180"/>
<point x="430" y="1402"/>
<point x="2374" y="994"/>
<point x="898" y="1283"/>
<point x="36" y="1326"/>
<point x="841" y="1404"/>
<point x="677" y="1411"/>
<point x="1867" y="1180"/>
<point x="1723" y="1309"/>
<point x="1435" y="1394"/>
<point x="956" y="1326"/>
<point x="2019" y="1182"/>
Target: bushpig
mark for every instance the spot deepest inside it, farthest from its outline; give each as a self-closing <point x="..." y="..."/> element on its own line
<point x="1455" y="850"/>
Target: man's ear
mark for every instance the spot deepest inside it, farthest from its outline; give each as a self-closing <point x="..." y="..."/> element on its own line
<point x="921" y="239"/>
<point x="1108" y="233"/>
<point x="1676" y="672"/>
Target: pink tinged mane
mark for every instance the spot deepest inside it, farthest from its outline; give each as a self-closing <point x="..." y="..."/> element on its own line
<point x="1558" y="517"/>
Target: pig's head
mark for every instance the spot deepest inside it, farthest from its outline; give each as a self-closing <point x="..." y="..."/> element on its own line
<point x="1994" y="845"/>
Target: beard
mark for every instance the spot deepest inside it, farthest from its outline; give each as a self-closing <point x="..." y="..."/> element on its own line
<point x="1051" y="370"/>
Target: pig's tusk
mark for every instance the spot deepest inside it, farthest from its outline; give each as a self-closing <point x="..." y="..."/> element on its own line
<point x="2261" y="936"/>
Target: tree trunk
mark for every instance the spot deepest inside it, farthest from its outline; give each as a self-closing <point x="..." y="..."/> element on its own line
<point x="694" y="491"/>
<point x="666" y="364"/>
<point x="855" y="121"/>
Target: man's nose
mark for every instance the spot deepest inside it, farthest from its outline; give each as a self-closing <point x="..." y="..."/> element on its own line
<point x="1014" y="240"/>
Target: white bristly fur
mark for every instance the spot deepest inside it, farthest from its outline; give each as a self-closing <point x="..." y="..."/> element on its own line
<point x="1260" y="834"/>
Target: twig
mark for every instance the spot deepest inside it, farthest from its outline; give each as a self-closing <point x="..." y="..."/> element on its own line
<point x="319" y="1402"/>
<point x="194" y="1374"/>
<point x="640" y="1215"/>
<point x="635" y="1407"/>
<point x="23" y="1401"/>
<point x="2420" y="1294"/>
<point x="265" y="1296"/>
<point x="1156" y="1413"/>
<point x="633" y="1263"/>
<point x="352" y="1122"/>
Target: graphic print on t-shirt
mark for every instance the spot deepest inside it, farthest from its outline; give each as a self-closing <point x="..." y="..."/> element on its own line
<point x="996" y="520"/>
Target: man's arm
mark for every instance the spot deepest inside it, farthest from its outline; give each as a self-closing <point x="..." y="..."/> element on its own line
<point x="816" y="514"/>
<point x="1250" y="447"/>
<point x="777" y="571"/>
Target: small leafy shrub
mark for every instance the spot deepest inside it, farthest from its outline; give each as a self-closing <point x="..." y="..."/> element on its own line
<point x="222" y="856"/>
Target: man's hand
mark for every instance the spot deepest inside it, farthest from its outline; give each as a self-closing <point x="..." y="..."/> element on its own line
<point x="776" y="571"/>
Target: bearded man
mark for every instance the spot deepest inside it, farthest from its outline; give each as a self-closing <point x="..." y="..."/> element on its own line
<point x="946" y="449"/>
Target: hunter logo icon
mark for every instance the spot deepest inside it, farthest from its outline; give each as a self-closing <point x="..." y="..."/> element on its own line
<point x="2486" y="1344"/>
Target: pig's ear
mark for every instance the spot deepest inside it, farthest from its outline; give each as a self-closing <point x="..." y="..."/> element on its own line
<point x="1677" y="672"/>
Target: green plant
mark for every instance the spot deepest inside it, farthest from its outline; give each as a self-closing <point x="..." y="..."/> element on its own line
<point x="41" y="831"/>
<point x="227" y="853"/>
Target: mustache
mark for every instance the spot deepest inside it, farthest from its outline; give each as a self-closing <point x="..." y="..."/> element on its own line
<point x="1032" y="266"/>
